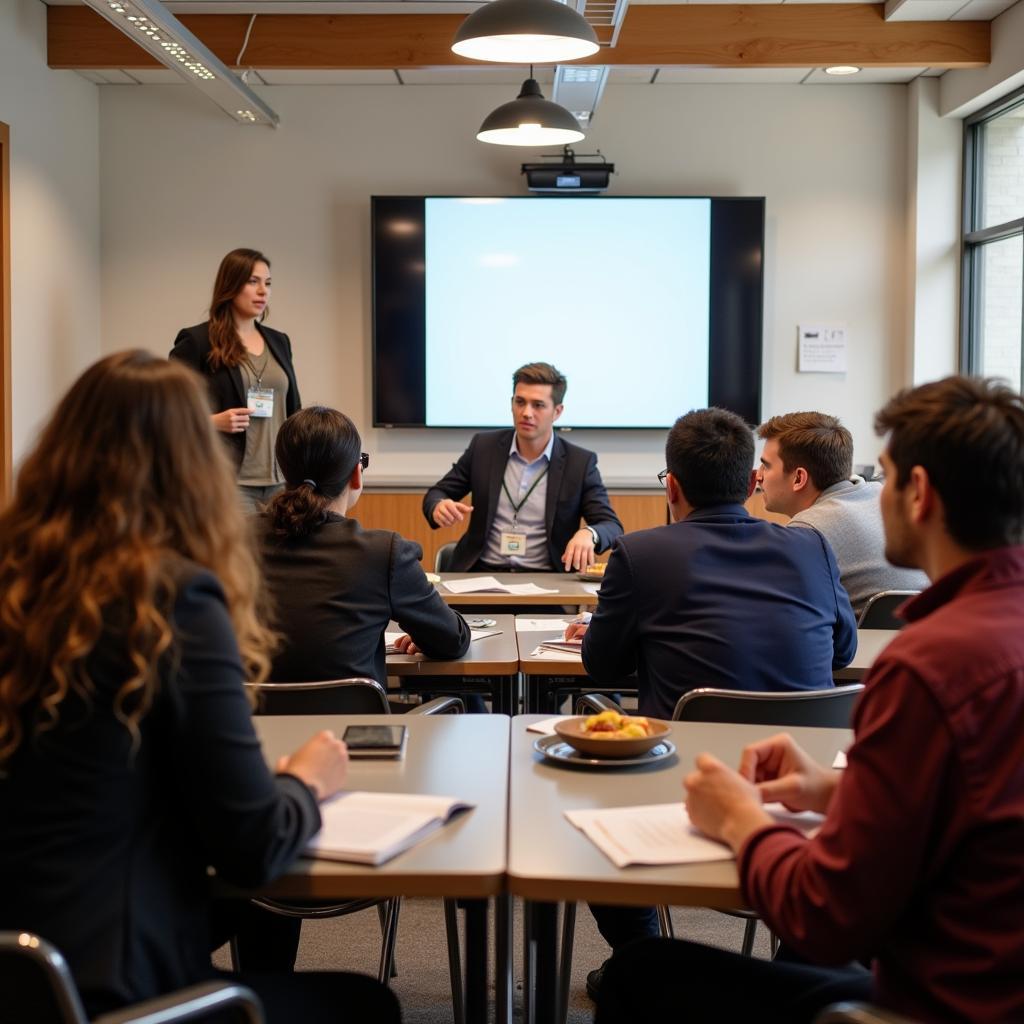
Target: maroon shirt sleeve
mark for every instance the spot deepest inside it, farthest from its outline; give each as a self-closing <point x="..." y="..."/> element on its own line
<point x="832" y="898"/>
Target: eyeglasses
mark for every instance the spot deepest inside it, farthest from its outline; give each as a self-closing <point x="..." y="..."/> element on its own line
<point x="661" y="477"/>
<point x="364" y="459"/>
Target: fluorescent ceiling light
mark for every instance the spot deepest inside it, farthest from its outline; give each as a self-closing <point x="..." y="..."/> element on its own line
<point x="159" y="33"/>
<point x="841" y="69"/>
<point x="525" y="32"/>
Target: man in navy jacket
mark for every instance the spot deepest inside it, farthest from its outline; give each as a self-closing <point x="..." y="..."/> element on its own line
<point x="717" y="597"/>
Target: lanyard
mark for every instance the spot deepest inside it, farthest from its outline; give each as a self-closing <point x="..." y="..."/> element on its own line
<point x="533" y="487"/>
<point x="258" y="374"/>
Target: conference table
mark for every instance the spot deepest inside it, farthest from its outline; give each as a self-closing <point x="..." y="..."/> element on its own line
<point x="550" y="861"/>
<point x="463" y="756"/>
<point x="563" y="588"/>
<point x="491" y="665"/>
<point x="870" y="643"/>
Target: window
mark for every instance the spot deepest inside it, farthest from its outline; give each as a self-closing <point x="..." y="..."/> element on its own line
<point x="993" y="287"/>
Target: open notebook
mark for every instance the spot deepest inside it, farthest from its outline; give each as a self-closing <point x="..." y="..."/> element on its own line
<point x="371" y="828"/>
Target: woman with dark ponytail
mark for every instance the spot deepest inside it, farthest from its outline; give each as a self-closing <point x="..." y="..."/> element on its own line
<point x="335" y="586"/>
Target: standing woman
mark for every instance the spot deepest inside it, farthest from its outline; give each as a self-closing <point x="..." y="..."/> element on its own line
<point x="129" y="765"/>
<point x="248" y="370"/>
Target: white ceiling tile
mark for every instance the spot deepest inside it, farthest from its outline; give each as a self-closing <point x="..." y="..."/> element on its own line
<point x="319" y="6"/>
<point x="92" y="76"/>
<point x="381" y="76"/>
<point x="475" y="76"/>
<point x="730" y="76"/>
<point x="630" y="76"/>
<point x="866" y="76"/>
<point x="933" y="72"/>
<point x="113" y="76"/>
<point x="922" y="10"/>
<point x="982" y="10"/>
<point x="157" y="76"/>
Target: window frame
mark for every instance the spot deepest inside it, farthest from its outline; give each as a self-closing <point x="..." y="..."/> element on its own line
<point x="974" y="239"/>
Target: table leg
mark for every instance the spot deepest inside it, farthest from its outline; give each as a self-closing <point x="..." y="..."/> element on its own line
<point x="503" y="959"/>
<point x="540" y="952"/>
<point x="476" y="960"/>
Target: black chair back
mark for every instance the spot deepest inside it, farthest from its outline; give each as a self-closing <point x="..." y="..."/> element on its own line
<point x="879" y="611"/>
<point x="443" y="558"/>
<point x="330" y="697"/>
<point x="830" y="709"/>
<point x="36" y="983"/>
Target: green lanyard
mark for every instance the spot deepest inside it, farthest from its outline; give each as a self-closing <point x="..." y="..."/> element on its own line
<point x="258" y="374"/>
<point x="526" y="497"/>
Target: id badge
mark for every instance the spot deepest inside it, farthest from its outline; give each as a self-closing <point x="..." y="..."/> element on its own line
<point x="513" y="543"/>
<point x="260" y="402"/>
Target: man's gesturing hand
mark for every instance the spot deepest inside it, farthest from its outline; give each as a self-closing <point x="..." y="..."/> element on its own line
<point x="448" y="513"/>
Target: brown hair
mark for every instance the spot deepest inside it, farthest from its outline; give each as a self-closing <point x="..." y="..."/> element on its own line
<point x="813" y="441"/>
<point x="317" y="448"/>
<point x="968" y="435"/>
<point x="710" y="452"/>
<point x="126" y="481"/>
<point x="226" y="347"/>
<point x="541" y="373"/>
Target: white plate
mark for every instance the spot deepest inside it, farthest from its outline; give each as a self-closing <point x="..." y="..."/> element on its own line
<point x="556" y="749"/>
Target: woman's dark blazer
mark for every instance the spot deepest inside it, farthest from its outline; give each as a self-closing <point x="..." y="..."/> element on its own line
<point x="225" y="384"/>
<point x="105" y="844"/>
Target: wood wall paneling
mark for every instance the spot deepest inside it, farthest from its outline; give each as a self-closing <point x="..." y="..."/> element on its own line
<point x="5" y="313"/>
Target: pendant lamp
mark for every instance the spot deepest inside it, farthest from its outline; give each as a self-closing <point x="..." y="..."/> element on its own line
<point x="525" y="32"/>
<point x="530" y="120"/>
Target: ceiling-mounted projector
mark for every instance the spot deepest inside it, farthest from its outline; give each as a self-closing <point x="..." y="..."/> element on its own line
<point x="568" y="173"/>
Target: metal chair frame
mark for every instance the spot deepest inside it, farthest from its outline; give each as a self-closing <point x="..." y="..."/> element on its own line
<point x="859" y="1013"/>
<point x="40" y="956"/>
<point x="315" y="698"/>
<point x="443" y="557"/>
<point x="881" y="606"/>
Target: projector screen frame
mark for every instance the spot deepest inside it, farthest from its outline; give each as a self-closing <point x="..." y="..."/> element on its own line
<point x="398" y="341"/>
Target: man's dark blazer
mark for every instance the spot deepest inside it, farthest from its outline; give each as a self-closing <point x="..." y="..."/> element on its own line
<point x="720" y="599"/>
<point x="225" y="384"/>
<point x="574" y="491"/>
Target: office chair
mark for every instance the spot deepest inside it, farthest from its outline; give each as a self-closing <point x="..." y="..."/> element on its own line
<point x="38" y="989"/>
<point x="831" y="709"/>
<point x="878" y="612"/>
<point x="859" y="1013"/>
<point x="357" y="696"/>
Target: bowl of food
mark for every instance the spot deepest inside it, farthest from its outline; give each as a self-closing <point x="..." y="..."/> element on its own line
<point x="612" y="734"/>
<point x="594" y="573"/>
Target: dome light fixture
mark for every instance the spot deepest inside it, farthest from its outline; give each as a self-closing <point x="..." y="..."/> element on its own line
<point x="842" y="69"/>
<point x="525" y="32"/>
<point x="530" y="120"/>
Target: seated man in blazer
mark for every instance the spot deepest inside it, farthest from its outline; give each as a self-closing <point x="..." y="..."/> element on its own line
<point x="529" y="490"/>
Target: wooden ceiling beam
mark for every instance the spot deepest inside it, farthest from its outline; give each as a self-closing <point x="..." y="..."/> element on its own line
<point x="691" y="35"/>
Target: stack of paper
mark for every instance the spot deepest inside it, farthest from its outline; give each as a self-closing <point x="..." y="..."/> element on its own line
<point x="391" y="638"/>
<point x="663" y="834"/>
<point x="525" y="625"/>
<point x="560" y="650"/>
<point x="371" y="828"/>
<point x="489" y="585"/>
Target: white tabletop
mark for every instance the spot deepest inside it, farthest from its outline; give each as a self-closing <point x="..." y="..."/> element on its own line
<point x="870" y="643"/>
<point x="551" y="860"/>
<point x="464" y="756"/>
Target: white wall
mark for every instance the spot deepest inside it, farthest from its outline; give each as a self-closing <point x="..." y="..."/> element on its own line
<point x="55" y="220"/>
<point x="181" y="185"/>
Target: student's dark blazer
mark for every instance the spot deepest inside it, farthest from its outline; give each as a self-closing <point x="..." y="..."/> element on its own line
<point x="106" y="843"/>
<point x="720" y="599"/>
<point x="225" y="384"/>
<point x="574" y="491"/>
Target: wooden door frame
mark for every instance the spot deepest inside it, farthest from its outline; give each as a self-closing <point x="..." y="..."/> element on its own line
<point x="5" y="314"/>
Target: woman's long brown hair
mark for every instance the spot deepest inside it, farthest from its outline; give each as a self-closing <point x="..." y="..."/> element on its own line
<point x="226" y="347"/>
<point x="126" y="481"/>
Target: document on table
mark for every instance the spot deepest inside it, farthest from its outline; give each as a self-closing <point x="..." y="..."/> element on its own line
<point x="489" y="585"/>
<point x="663" y="833"/>
<point x="559" y="650"/>
<point x="391" y="638"/>
<point x="524" y="625"/>
<point x="546" y="726"/>
<point x="371" y="828"/>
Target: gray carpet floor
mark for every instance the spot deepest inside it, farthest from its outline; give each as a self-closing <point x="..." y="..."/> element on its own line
<point x="353" y="944"/>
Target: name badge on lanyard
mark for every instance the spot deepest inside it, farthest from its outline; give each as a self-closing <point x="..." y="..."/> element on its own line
<point x="260" y="402"/>
<point x="513" y="543"/>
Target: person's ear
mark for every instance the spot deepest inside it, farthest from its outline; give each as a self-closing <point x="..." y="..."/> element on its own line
<point x="355" y="481"/>
<point x="558" y="412"/>
<point x="921" y="497"/>
<point x="753" y="482"/>
<point x="801" y="478"/>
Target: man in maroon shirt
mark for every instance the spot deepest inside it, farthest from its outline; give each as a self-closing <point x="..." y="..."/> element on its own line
<point x="919" y="867"/>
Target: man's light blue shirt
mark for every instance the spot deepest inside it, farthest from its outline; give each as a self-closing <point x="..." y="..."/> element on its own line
<point x="519" y="478"/>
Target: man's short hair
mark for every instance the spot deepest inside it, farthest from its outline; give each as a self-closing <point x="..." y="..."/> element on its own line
<point x="813" y="441"/>
<point x="710" y="452"/>
<point x="968" y="434"/>
<point x="541" y="373"/>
